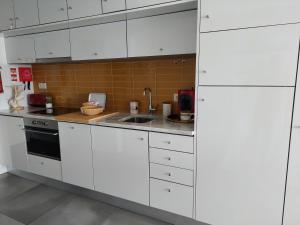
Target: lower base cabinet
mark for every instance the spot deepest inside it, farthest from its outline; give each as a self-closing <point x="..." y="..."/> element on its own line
<point x="121" y="163"/>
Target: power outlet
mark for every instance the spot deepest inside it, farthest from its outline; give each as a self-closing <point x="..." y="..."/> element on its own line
<point x="43" y="86"/>
<point x="175" y="97"/>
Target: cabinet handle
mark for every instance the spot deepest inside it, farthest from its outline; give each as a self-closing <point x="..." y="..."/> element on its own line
<point x="70" y="8"/>
<point x="296" y="127"/>
<point x="201" y="100"/>
<point x="203" y="71"/>
<point x="19" y="59"/>
<point x="11" y="19"/>
<point x="50" y="53"/>
<point x="168" y="142"/>
<point x="141" y="139"/>
<point x="42" y="163"/>
<point x="72" y="128"/>
<point x="169" y="174"/>
<point x="161" y="49"/>
<point x="17" y="18"/>
<point x="168" y="190"/>
<point x="168" y="158"/>
<point x="95" y="54"/>
<point x="61" y="9"/>
<point x="205" y="17"/>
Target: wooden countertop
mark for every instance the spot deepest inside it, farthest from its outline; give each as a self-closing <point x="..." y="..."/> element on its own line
<point x="78" y="117"/>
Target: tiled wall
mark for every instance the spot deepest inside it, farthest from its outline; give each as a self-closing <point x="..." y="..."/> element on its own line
<point x="122" y="80"/>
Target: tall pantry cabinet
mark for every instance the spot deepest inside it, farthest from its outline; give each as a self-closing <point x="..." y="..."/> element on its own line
<point x="246" y="84"/>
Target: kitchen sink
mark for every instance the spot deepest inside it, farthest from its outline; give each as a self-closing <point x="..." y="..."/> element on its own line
<point x="137" y="119"/>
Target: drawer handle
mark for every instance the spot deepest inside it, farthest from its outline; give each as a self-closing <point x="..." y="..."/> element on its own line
<point x="168" y="190"/>
<point x="169" y="174"/>
<point x="168" y="158"/>
<point x="168" y="142"/>
<point x="141" y="139"/>
<point x="72" y="128"/>
<point x="42" y="163"/>
<point x="206" y="17"/>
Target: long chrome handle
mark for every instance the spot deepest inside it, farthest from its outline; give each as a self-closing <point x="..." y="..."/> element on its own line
<point x="41" y="132"/>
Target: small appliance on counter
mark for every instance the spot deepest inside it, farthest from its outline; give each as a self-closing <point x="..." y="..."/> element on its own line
<point x="134" y="107"/>
<point x="36" y="100"/>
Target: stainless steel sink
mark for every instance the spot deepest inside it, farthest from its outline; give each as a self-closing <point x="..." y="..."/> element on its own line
<point x="137" y="119"/>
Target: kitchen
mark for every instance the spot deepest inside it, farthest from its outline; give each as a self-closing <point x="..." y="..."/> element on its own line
<point x="192" y="112"/>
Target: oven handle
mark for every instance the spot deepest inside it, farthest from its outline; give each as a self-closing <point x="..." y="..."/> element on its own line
<point x="41" y="132"/>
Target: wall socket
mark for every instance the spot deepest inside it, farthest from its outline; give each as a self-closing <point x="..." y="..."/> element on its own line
<point x="175" y="97"/>
<point x="43" y="86"/>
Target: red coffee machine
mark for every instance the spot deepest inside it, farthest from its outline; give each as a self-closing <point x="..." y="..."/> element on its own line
<point x="186" y="101"/>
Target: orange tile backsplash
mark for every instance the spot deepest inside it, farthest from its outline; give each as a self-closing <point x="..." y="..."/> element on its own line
<point x="123" y="80"/>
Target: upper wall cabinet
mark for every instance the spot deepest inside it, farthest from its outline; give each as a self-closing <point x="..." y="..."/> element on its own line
<point x="142" y="3"/>
<point x="20" y="49"/>
<point x="54" y="44"/>
<point x="6" y="15"/>
<point x="163" y="35"/>
<point x="52" y="11"/>
<point x="230" y="14"/>
<point x="102" y="41"/>
<point x="78" y="8"/>
<point x="113" y="5"/>
<point x="26" y="13"/>
<point x="258" y="56"/>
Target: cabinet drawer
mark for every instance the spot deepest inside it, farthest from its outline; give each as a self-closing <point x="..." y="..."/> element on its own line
<point x="172" y="142"/>
<point x="45" y="167"/>
<point x="172" y="174"/>
<point x="171" y="197"/>
<point x="170" y="158"/>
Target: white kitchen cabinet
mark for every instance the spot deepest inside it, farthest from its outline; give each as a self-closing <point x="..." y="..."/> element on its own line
<point x="20" y="49"/>
<point x="76" y="154"/>
<point x="113" y="5"/>
<point x="55" y="44"/>
<point x="78" y="8"/>
<point x="102" y="41"/>
<point x="142" y="3"/>
<point x="162" y="35"/>
<point x="52" y="11"/>
<point x="259" y="56"/>
<point x="26" y="13"/>
<point x="121" y="164"/>
<point x="13" y="150"/>
<point x="232" y="14"/>
<point x="243" y="144"/>
<point x="7" y="15"/>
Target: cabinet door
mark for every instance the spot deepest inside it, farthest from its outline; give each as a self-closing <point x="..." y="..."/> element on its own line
<point x="163" y="35"/>
<point x="7" y="15"/>
<point x="121" y="164"/>
<point x="54" y="44"/>
<point x="260" y="56"/>
<point x="20" y="49"/>
<point x="113" y="5"/>
<point x="243" y="143"/>
<point x="13" y="150"/>
<point x="99" y="42"/>
<point x="142" y="3"/>
<point x="52" y="11"/>
<point x="231" y="14"/>
<point x="76" y="154"/>
<point x="26" y="13"/>
<point x="77" y="9"/>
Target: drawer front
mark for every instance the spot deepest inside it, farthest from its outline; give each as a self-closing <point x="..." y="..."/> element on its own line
<point x="45" y="167"/>
<point x="171" y="158"/>
<point x="172" y="174"/>
<point x="172" y="197"/>
<point x="172" y="142"/>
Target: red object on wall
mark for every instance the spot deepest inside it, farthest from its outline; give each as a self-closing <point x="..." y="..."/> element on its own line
<point x="1" y="85"/>
<point x="25" y="74"/>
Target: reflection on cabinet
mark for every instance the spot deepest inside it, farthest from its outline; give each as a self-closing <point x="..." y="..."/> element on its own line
<point x="13" y="150"/>
<point x="142" y="3"/>
<point x="7" y="15"/>
<point x="102" y="41"/>
<point x="163" y="35"/>
<point x="121" y="166"/>
<point x="20" y="49"/>
<point x="26" y="13"/>
<point x="76" y="152"/>
<point x="53" y="44"/>
<point x="243" y="143"/>
<point x="230" y="14"/>
<point x="113" y="5"/>
<point x="78" y="8"/>
<point x="52" y="11"/>
<point x="259" y="56"/>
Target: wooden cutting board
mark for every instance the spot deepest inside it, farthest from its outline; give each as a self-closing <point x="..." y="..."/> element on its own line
<point x="78" y="117"/>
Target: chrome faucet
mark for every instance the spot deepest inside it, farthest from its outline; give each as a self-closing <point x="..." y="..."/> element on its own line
<point x="148" y="92"/>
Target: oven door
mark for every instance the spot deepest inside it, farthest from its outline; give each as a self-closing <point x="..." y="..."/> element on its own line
<point x="43" y="142"/>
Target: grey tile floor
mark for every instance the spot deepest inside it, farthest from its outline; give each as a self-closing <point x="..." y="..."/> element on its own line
<point x="23" y="202"/>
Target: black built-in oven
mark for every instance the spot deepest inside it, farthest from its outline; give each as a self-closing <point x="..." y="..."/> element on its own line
<point x="42" y="138"/>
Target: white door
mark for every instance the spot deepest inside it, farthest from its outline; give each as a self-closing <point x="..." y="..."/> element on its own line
<point x="230" y="14"/>
<point x="121" y="164"/>
<point x="142" y="3"/>
<point x="20" y="49"/>
<point x="55" y="44"/>
<point x="7" y="15"/>
<point x="169" y="34"/>
<point x="260" y="56"/>
<point x="103" y="41"/>
<point x="26" y="13"/>
<point x="52" y="11"/>
<point x="76" y="154"/>
<point x="242" y="142"/>
<point x="13" y="150"/>
<point x="113" y="5"/>
<point x="78" y="8"/>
